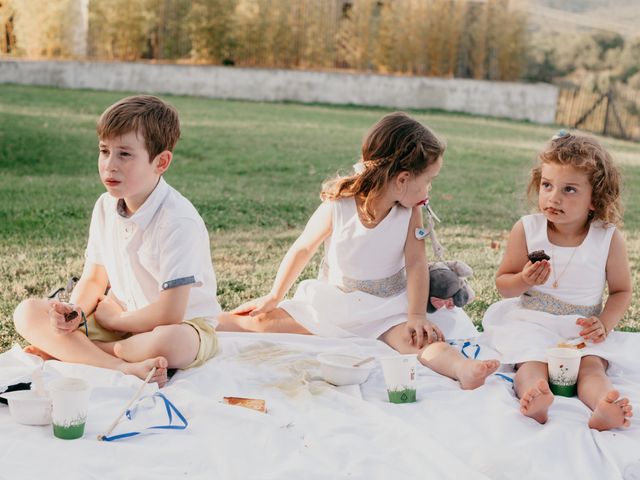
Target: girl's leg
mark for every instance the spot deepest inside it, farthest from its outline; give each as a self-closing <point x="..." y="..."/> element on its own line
<point x="275" y="321"/>
<point x="442" y="358"/>
<point x="532" y="388"/>
<point x="597" y="392"/>
<point x="179" y="344"/>
<point x="31" y="320"/>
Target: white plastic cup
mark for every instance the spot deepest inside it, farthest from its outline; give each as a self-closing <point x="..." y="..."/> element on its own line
<point x="563" y="364"/>
<point x="400" y="376"/>
<point x="70" y="404"/>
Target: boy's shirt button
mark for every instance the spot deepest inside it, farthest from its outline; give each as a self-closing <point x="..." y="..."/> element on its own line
<point x="128" y="230"/>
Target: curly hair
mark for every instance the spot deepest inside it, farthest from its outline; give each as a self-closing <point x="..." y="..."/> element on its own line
<point x="584" y="153"/>
<point x="396" y="143"/>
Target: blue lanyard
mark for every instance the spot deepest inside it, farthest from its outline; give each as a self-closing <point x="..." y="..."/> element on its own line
<point x="170" y="408"/>
<point x="466" y="345"/>
<point x="504" y="377"/>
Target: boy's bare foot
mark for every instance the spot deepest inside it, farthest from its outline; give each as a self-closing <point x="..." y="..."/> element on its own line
<point x="473" y="373"/>
<point x="536" y="401"/>
<point x="611" y="412"/>
<point x="142" y="369"/>
<point x="33" y="350"/>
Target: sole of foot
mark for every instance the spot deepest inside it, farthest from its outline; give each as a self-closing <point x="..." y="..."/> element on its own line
<point x="611" y="412"/>
<point x="535" y="402"/>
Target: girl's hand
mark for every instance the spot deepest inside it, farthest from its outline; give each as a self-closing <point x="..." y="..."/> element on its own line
<point x="536" y="273"/>
<point x="418" y="327"/>
<point x="592" y="329"/>
<point x="256" y="307"/>
<point x="64" y="317"/>
<point x="108" y="314"/>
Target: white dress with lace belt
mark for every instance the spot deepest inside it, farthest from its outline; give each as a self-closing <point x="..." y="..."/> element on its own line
<point x="521" y="329"/>
<point x="361" y="286"/>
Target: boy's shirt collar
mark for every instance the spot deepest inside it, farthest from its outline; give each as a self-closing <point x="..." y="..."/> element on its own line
<point x="148" y="209"/>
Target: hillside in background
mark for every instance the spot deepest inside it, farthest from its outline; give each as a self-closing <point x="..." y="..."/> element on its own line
<point x="617" y="16"/>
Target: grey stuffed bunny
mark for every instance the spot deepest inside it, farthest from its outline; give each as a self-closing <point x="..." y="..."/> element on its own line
<point x="448" y="286"/>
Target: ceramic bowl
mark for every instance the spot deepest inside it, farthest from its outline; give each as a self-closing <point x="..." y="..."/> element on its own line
<point x="338" y="369"/>
<point x="26" y="407"/>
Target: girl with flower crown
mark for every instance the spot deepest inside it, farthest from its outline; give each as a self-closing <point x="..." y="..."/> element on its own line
<point x="558" y="296"/>
<point x="373" y="281"/>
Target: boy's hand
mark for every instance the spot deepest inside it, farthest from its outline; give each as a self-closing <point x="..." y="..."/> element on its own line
<point x="536" y="273"/>
<point x="592" y="329"/>
<point x="64" y="317"/>
<point x="422" y="331"/>
<point x="108" y="314"/>
<point x="256" y="307"/>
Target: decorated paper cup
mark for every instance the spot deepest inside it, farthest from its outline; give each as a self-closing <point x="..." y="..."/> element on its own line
<point x="564" y="364"/>
<point x="400" y="376"/>
<point x="70" y="403"/>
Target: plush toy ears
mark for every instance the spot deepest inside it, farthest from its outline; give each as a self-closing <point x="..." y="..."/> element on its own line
<point x="460" y="268"/>
<point x="471" y="295"/>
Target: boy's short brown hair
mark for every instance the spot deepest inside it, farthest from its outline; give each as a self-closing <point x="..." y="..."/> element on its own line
<point x="154" y="119"/>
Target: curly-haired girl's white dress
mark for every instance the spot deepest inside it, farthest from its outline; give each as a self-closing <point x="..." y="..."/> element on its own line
<point x="521" y="329"/>
<point x="361" y="286"/>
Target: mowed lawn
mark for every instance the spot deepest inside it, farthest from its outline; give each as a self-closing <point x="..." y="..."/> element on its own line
<point x="254" y="170"/>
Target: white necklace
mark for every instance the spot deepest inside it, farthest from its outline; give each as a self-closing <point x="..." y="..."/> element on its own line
<point x="556" y="278"/>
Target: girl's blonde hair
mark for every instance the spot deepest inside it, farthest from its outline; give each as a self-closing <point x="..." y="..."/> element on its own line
<point x="586" y="154"/>
<point x="396" y="143"/>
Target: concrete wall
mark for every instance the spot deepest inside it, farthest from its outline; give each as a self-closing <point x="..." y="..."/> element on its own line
<point x="534" y="102"/>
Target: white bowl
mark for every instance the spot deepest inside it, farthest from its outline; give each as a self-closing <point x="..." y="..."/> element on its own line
<point x="28" y="408"/>
<point x="338" y="369"/>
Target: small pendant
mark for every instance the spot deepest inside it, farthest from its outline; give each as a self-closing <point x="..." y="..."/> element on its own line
<point x="555" y="284"/>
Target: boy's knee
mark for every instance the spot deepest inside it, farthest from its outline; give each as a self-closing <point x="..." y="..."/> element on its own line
<point x="164" y="337"/>
<point x="26" y="313"/>
<point x="165" y="333"/>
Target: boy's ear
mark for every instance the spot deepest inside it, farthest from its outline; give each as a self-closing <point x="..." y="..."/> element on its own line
<point x="163" y="160"/>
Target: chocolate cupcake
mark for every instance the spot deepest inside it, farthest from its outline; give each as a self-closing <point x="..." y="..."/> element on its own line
<point x="538" y="256"/>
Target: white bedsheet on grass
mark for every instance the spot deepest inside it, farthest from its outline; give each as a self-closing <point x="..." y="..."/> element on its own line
<point x="314" y="430"/>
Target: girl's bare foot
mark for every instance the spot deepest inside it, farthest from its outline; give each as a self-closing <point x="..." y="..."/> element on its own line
<point x="473" y="373"/>
<point x="33" y="350"/>
<point x="611" y="412"/>
<point x="536" y="401"/>
<point x="142" y="369"/>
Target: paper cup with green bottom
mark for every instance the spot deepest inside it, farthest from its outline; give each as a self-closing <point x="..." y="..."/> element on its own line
<point x="400" y="376"/>
<point x="70" y="404"/>
<point x="563" y="364"/>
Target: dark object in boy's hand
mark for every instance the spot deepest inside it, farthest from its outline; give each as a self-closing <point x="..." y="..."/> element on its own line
<point x="538" y="256"/>
<point x="70" y="316"/>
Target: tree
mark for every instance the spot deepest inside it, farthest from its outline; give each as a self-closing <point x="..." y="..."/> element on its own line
<point x="45" y="28"/>
<point x="211" y="25"/>
<point x="121" y="29"/>
<point x="7" y="33"/>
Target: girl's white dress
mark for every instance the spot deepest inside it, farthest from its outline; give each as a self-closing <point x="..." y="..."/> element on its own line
<point x="361" y="286"/>
<point x="522" y="329"/>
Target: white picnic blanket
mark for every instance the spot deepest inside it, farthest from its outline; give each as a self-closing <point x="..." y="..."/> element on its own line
<point x="314" y="430"/>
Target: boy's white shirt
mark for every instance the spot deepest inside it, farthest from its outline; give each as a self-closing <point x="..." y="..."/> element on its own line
<point x="165" y="243"/>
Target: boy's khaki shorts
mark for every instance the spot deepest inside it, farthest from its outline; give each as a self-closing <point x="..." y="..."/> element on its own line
<point x="206" y="332"/>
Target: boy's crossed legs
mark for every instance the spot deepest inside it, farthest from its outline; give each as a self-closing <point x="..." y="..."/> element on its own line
<point x="594" y="389"/>
<point x="172" y="346"/>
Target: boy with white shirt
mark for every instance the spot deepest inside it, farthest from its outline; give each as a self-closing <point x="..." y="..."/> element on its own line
<point x="149" y="246"/>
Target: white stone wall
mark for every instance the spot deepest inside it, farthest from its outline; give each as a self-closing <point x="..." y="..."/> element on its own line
<point x="533" y="102"/>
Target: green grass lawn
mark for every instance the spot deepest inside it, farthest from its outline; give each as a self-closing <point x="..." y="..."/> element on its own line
<point x="254" y="170"/>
